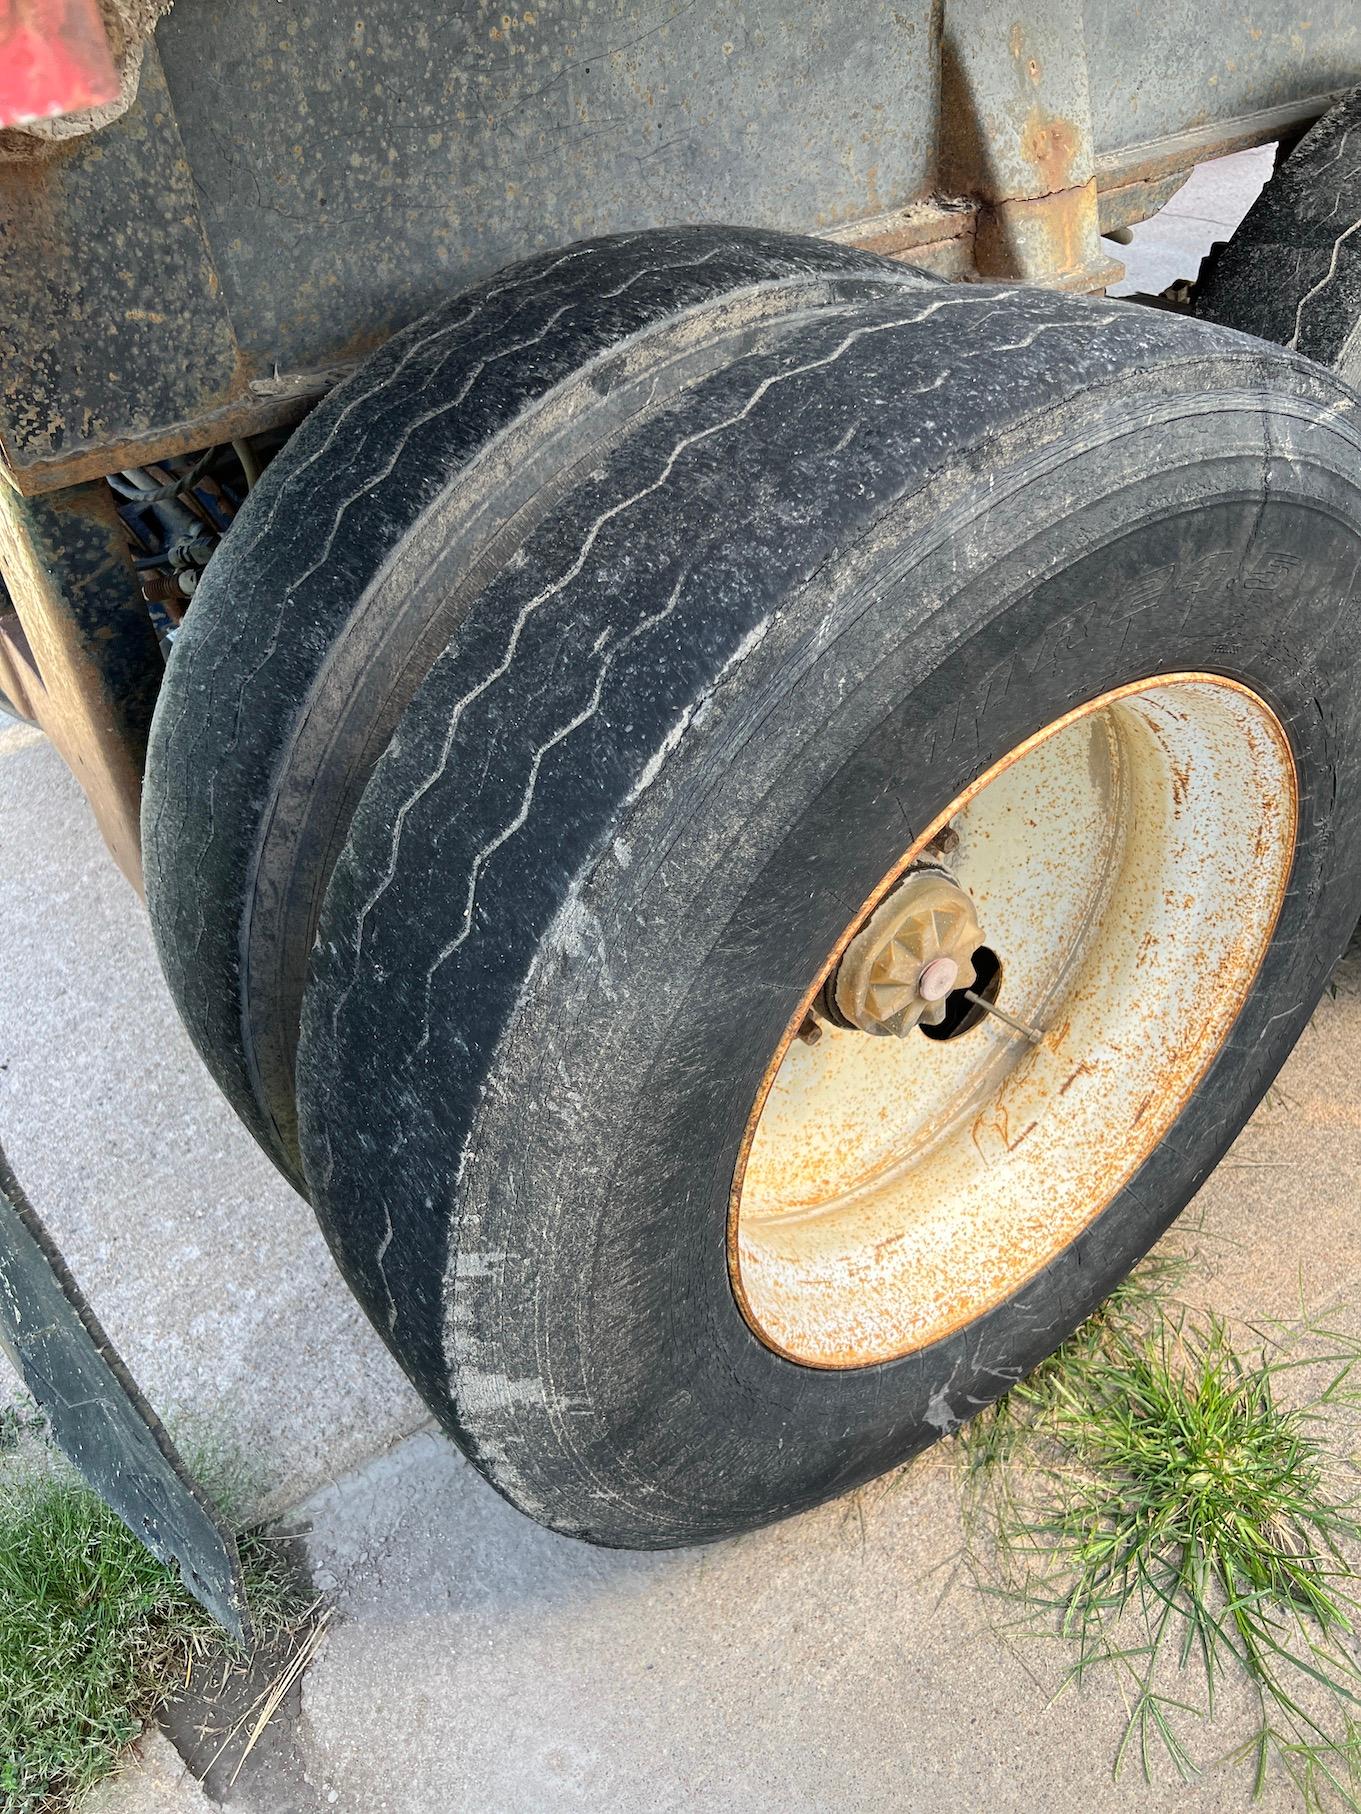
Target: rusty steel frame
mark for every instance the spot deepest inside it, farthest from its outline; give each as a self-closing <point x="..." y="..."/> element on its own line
<point x="116" y="247"/>
<point x="77" y="652"/>
<point x="1049" y="238"/>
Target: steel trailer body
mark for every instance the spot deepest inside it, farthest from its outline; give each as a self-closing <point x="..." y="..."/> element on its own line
<point x="289" y="188"/>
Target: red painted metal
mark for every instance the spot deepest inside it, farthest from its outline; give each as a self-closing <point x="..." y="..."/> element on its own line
<point x="54" y="58"/>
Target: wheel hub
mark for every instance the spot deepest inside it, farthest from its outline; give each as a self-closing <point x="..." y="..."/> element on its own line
<point x="913" y="951"/>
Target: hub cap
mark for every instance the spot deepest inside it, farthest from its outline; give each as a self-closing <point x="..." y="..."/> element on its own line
<point x="913" y="951"/>
<point x="1127" y="865"/>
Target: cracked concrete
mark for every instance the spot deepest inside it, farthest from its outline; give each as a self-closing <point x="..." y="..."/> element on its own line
<point x="153" y="1780"/>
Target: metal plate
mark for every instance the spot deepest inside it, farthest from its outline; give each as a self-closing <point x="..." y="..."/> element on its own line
<point x="294" y="183"/>
<point x="1188" y="65"/>
<point x="353" y="166"/>
<point x="111" y="315"/>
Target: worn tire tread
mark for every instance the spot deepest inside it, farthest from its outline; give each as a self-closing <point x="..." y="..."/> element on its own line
<point x="285" y="594"/>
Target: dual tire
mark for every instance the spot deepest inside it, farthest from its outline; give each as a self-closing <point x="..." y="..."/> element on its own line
<point x="565" y="691"/>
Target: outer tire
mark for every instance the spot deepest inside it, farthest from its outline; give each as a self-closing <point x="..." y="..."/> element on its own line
<point x="352" y="560"/>
<point x="1292" y="271"/>
<point x="659" y="763"/>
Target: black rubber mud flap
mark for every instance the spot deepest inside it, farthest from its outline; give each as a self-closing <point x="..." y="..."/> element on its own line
<point x="99" y="1419"/>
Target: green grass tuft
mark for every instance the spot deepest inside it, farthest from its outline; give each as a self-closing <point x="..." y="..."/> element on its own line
<point x="1157" y="1500"/>
<point x="94" y="1635"/>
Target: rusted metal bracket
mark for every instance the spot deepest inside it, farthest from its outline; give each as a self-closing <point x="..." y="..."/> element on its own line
<point x="1016" y="132"/>
<point x="100" y="1420"/>
<point x="87" y="659"/>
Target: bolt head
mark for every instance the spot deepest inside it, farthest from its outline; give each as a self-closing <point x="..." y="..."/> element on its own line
<point x="937" y="979"/>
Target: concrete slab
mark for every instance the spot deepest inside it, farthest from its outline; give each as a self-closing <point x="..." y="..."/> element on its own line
<point x="153" y="1780"/>
<point x="209" y="1274"/>
<point x="1277" y="1227"/>
<point x="843" y="1660"/>
<point x="1208" y="206"/>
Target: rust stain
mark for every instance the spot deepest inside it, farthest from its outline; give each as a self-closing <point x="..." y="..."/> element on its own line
<point x="975" y="1134"/>
<point x="1050" y="144"/>
<point x="19" y="678"/>
<point x="1045" y="238"/>
<point x="91" y="712"/>
<point x="1082" y="1070"/>
<point x="246" y="416"/>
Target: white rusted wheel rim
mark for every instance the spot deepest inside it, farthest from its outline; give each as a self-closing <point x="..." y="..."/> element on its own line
<point x="1127" y="865"/>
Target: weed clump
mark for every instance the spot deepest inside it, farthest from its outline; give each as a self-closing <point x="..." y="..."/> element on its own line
<point x="1159" y="1501"/>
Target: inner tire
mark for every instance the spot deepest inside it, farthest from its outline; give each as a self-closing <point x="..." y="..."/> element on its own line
<point x="1292" y="271"/>
<point x="670" y="751"/>
<point x="353" y="559"/>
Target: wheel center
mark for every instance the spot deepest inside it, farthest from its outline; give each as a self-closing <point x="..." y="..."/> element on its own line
<point x="913" y="951"/>
<point x="937" y="979"/>
<point x="891" y="1191"/>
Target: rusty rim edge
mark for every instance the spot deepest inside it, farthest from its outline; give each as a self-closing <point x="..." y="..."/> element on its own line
<point x="1113" y="697"/>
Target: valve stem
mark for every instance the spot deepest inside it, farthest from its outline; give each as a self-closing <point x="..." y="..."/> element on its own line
<point x="1031" y="1033"/>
